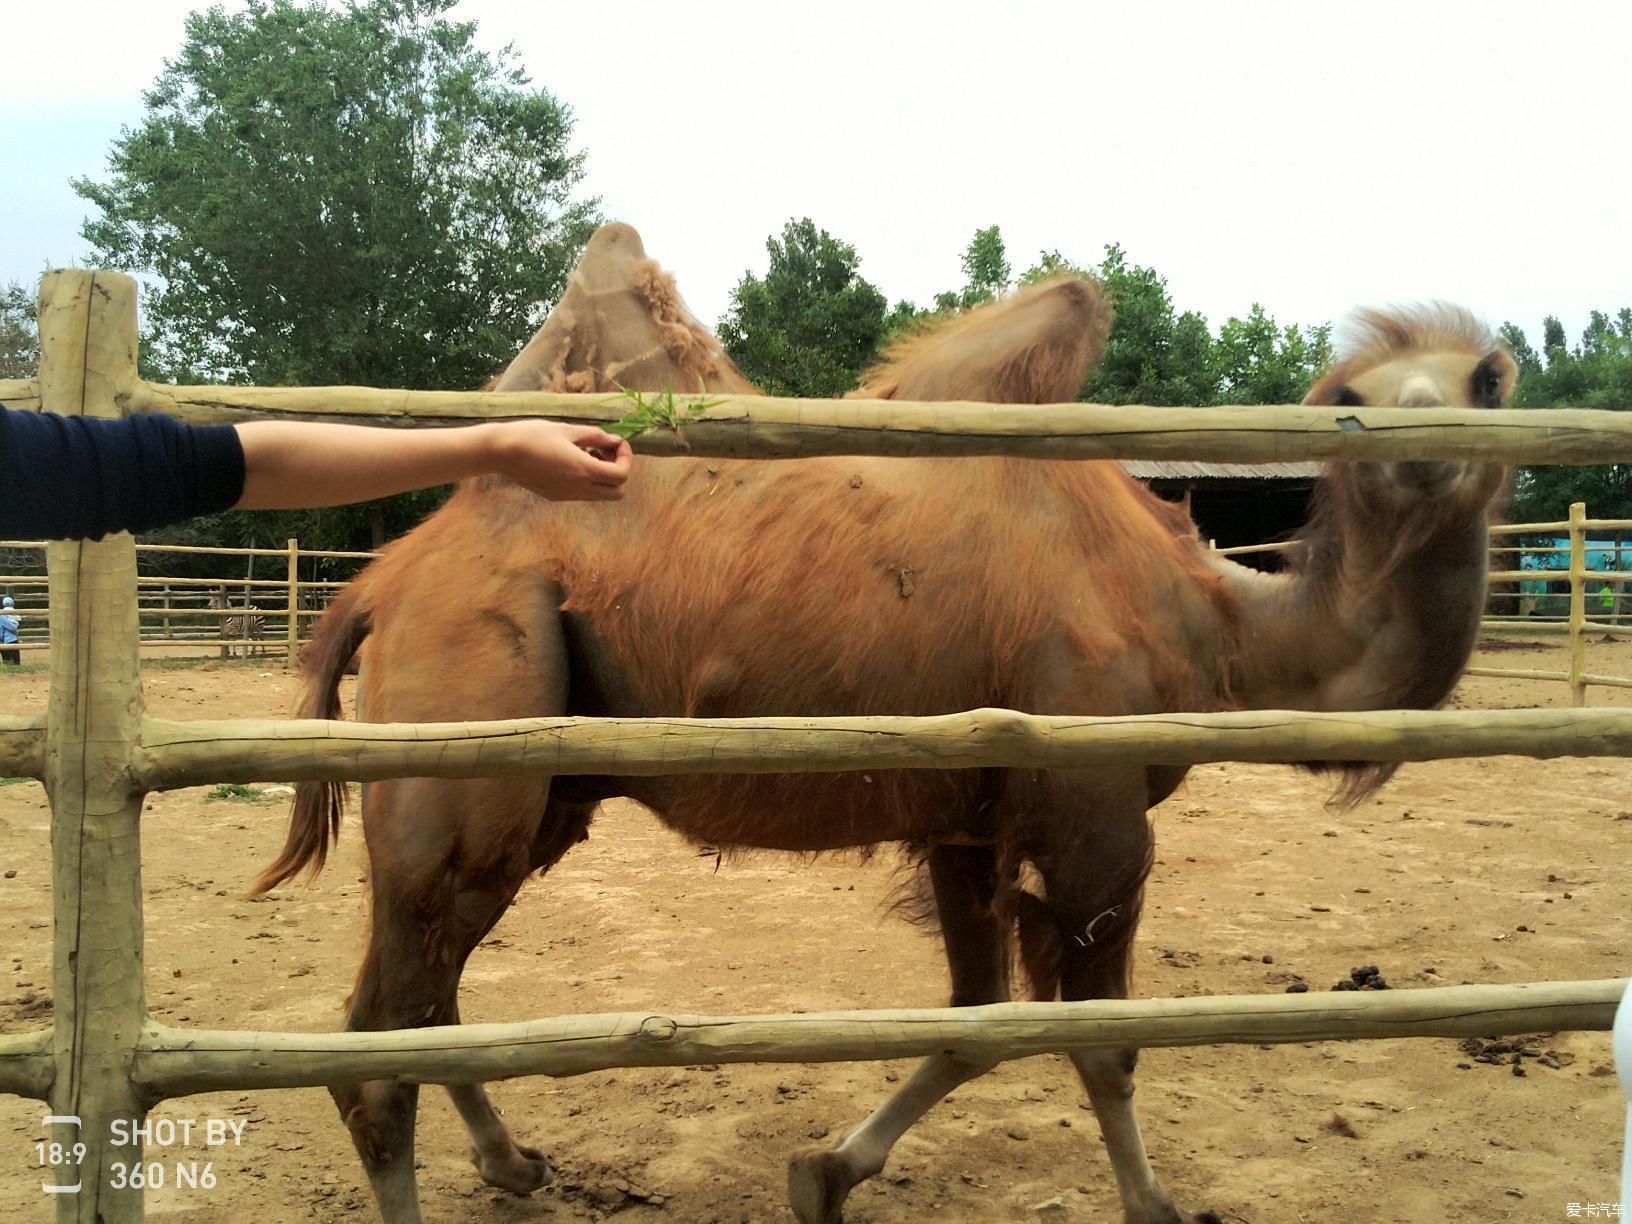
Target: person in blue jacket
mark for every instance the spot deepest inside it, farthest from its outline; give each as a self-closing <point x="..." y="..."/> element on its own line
<point x="75" y="477"/>
<point x="9" y="623"/>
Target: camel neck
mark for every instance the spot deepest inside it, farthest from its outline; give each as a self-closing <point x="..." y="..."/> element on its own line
<point x="1372" y="620"/>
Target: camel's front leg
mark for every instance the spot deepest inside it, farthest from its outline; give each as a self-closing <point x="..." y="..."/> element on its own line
<point x="1108" y="1076"/>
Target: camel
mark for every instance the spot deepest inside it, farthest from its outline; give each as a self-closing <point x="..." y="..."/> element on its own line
<point x="871" y="586"/>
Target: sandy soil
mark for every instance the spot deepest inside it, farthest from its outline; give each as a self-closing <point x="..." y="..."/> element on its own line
<point x="1482" y="871"/>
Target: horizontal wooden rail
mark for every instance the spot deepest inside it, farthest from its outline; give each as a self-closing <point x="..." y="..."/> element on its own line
<point x="250" y="552"/>
<point x="25" y="1064"/>
<point x="23" y="393"/>
<point x="743" y="426"/>
<point x="1516" y="673"/>
<point x="1544" y="627"/>
<point x="275" y="642"/>
<point x="172" y="1062"/>
<point x="1606" y="681"/>
<point x="201" y="550"/>
<point x="177" y="754"/>
<point x="1559" y="576"/>
<point x="181" y="615"/>
<point x="1505" y="529"/>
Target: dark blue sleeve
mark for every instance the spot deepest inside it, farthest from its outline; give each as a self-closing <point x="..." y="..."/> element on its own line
<point x="75" y="477"/>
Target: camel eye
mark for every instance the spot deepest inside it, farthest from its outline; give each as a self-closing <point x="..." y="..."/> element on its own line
<point x="1348" y="397"/>
<point x="1486" y="385"/>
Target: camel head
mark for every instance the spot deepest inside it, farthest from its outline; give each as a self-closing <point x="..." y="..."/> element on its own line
<point x="1432" y="357"/>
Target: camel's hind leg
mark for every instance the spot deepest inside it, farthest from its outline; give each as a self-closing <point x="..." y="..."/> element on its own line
<point x="499" y="1159"/>
<point x="446" y="860"/>
<point x="977" y="945"/>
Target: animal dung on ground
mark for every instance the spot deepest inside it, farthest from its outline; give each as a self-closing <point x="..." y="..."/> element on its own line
<point x="1367" y="977"/>
<point x="1337" y="1124"/>
<point x="1514" y="1052"/>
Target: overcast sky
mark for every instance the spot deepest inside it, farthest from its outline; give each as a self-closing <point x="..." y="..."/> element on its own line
<point x="1311" y="155"/>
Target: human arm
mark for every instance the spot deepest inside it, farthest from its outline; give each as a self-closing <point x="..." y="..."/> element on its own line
<point x="78" y="477"/>
<point x="81" y="477"/>
<point x="297" y="464"/>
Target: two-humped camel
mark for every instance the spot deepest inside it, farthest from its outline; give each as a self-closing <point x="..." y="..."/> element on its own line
<point x="871" y="586"/>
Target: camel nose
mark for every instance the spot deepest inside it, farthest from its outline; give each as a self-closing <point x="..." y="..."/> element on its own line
<point x="1420" y="391"/>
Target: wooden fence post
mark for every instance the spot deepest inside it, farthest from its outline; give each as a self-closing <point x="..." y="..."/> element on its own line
<point x="1617" y="563"/>
<point x="1578" y="602"/>
<point x="294" y="600"/>
<point x="87" y="360"/>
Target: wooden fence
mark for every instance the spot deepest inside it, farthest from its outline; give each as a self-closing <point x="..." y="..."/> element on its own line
<point x="176" y="612"/>
<point x="105" y="1060"/>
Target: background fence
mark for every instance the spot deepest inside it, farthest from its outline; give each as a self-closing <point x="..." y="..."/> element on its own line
<point x="250" y="616"/>
<point x="270" y="616"/>
<point x="105" y="1060"/>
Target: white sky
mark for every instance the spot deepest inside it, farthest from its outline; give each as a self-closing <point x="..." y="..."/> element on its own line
<point x="1312" y="156"/>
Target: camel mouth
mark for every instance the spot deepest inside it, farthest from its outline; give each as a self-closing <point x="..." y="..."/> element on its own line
<point x="1427" y="478"/>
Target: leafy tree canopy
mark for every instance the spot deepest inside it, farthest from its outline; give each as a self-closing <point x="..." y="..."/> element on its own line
<point x="1154" y="356"/>
<point x="1596" y="373"/>
<point x="19" y="331"/>
<point x="343" y="195"/>
<point x="985" y="273"/>
<point x="346" y="194"/>
<point x="811" y="324"/>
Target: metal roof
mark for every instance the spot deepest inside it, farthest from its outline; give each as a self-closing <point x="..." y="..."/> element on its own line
<point x="1146" y="469"/>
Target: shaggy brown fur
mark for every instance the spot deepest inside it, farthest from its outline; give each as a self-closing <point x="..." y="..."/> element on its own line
<point x="860" y="586"/>
<point x="1027" y="348"/>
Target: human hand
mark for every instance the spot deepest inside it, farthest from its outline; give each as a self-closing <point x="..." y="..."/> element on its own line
<point x="560" y="461"/>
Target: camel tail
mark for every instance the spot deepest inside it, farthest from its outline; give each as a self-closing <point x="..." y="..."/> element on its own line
<point x="315" y="822"/>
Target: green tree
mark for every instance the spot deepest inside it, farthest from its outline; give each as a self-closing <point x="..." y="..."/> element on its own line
<point x="811" y="324"/>
<point x="354" y="195"/>
<point x="342" y="195"/>
<point x="1261" y="362"/>
<point x="985" y="267"/>
<point x="985" y="273"/>
<point x="19" y="332"/>
<point x="1154" y="356"/>
<point x="1051" y="263"/>
<point x="1528" y="361"/>
<point x="1597" y="373"/>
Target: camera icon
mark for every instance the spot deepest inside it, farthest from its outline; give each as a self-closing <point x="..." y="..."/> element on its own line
<point x="65" y="1158"/>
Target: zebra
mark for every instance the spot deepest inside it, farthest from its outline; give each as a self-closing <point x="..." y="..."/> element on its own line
<point x="248" y="626"/>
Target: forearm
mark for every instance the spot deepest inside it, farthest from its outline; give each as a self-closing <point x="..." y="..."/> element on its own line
<point x="290" y="465"/>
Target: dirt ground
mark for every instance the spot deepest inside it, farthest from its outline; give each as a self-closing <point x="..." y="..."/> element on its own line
<point x="1464" y="871"/>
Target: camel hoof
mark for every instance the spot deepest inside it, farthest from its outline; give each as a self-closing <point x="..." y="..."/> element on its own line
<point x="520" y="1171"/>
<point x="818" y="1182"/>
<point x="1166" y="1213"/>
